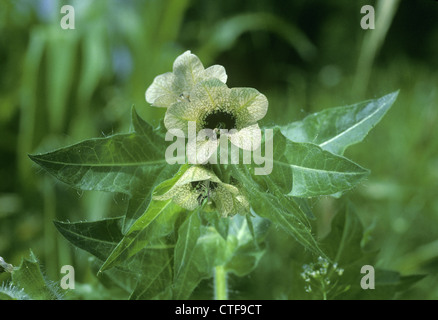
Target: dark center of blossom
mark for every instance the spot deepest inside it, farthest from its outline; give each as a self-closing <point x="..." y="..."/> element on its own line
<point x="204" y="189"/>
<point x="220" y="120"/>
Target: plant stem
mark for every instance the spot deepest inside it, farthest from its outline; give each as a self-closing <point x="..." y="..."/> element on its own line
<point x="227" y="174"/>
<point x="220" y="283"/>
<point x="323" y="290"/>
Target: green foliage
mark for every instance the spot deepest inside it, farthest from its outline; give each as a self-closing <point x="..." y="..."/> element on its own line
<point x="314" y="171"/>
<point x="346" y="246"/>
<point x="335" y="129"/>
<point x="59" y="87"/>
<point x="100" y="238"/>
<point x="119" y="163"/>
<point x="10" y="292"/>
<point x="29" y="283"/>
<point x="183" y="248"/>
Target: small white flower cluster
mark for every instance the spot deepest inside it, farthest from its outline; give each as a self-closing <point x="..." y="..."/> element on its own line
<point x="320" y="275"/>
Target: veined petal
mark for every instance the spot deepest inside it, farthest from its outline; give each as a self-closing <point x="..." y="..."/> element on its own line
<point x="211" y="94"/>
<point x="182" y="192"/>
<point x="199" y="183"/>
<point x="186" y="197"/>
<point x="176" y="86"/>
<point x="165" y="100"/>
<point x="197" y="173"/>
<point x="169" y="194"/>
<point x="207" y="96"/>
<point x="188" y="69"/>
<point x="248" y="138"/>
<point x="163" y="85"/>
<point x="229" y="201"/>
<point x="215" y="71"/>
<point x="223" y="200"/>
<point x="249" y="105"/>
<point x="200" y="151"/>
<point x="179" y="114"/>
<point x="240" y="202"/>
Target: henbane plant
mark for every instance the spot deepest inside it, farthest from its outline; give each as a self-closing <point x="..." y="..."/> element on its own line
<point x="193" y="221"/>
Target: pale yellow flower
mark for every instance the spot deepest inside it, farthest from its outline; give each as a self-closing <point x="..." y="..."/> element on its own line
<point x="175" y="86"/>
<point x="214" y="106"/>
<point x="199" y="184"/>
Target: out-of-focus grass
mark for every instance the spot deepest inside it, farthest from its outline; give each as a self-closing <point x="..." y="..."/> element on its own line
<point x="60" y="86"/>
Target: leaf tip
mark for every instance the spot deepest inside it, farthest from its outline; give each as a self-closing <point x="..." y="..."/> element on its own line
<point x="32" y="157"/>
<point x="58" y="224"/>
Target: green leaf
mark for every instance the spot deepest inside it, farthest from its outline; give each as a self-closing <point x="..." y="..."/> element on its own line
<point x="29" y="278"/>
<point x="314" y="171"/>
<point x="344" y="246"/>
<point x="100" y="238"/>
<point x="143" y="242"/>
<point x="139" y="202"/>
<point x="245" y="247"/>
<point x="337" y="128"/>
<point x="146" y="275"/>
<point x="343" y="243"/>
<point x="132" y="164"/>
<point x="406" y="282"/>
<point x="201" y="248"/>
<point x="185" y="277"/>
<point x="156" y="281"/>
<point x="157" y="221"/>
<point x="387" y="284"/>
<point x="141" y="127"/>
<point x="11" y="292"/>
<point x="272" y="205"/>
<point x="113" y="164"/>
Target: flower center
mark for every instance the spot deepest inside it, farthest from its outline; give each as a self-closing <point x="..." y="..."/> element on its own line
<point x="203" y="185"/>
<point x="220" y="120"/>
<point x="203" y="188"/>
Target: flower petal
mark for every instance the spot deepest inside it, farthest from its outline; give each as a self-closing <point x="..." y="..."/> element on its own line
<point x="176" y="86"/>
<point x="248" y="138"/>
<point x="188" y="69"/>
<point x="186" y="197"/>
<point x="249" y="105"/>
<point x="211" y="94"/>
<point x="200" y="152"/>
<point x="179" y="114"/>
<point x="162" y="86"/>
<point x="215" y="71"/>
<point x="172" y="192"/>
<point x="207" y="95"/>
<point x="182" y="193"/>
<point x="197" y="173"/>
<point x="240" y="203"/>
<point x="223" y="200"/>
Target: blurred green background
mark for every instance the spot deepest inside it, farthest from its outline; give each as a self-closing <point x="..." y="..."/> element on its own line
<point x="60" y="86"/>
